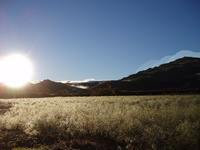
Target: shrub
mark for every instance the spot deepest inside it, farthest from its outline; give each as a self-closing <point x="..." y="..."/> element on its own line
<point x="140" y="122"/>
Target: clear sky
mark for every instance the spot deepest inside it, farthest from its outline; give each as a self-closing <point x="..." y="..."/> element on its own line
<point x="100" y="39"/>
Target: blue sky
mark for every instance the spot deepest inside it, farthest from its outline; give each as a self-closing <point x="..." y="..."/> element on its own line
<point x="111" y="39"/>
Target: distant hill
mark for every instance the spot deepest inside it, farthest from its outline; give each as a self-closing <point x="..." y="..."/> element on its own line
<point x="180" y="76"/>
<point x="167" y="59"/>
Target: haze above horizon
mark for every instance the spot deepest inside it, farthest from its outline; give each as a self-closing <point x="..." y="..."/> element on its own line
<point x="104" y="40"/>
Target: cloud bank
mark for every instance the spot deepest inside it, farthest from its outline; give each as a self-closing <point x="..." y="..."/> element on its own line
<point x="167" y="59"/>
<point x="82" y="81"/>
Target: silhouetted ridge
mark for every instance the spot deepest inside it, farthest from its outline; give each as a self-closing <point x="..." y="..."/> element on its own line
<point x="185" y="65"/>
<point x="181" y="74"/>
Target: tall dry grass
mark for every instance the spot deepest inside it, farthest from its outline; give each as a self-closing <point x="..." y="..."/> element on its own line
<point x="141" y="122"/>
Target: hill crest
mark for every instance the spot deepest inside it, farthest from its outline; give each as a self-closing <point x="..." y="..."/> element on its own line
<point x="179" y="76"/>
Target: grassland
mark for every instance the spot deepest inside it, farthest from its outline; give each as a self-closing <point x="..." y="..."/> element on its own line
<point x="118" y="122"/>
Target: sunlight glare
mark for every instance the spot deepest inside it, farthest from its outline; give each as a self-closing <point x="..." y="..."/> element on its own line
<point x="15" y="70"/>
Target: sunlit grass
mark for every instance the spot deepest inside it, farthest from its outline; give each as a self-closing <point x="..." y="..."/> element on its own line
<point x="142" y="122"/>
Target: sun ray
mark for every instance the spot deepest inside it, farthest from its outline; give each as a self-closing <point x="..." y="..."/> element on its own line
<point x="15" y="70"/>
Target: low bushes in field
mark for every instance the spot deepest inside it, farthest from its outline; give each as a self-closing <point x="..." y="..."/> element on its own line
<point x="138" y="122"/>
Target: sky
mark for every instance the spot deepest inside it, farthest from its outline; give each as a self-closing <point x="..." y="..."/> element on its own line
<point x="99" y="39"/>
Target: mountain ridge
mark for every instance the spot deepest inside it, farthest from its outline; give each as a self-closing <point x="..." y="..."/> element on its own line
<point x="167" y="59"/>
<point x="179" y="76"/>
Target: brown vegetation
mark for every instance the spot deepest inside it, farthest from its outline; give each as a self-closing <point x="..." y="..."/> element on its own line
<point x="124" y="122"/>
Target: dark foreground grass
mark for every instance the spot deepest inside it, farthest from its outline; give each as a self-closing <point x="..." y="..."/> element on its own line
<point x="18" y="140"/>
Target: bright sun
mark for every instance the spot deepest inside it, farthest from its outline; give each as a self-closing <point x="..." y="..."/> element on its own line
<point x="15" y="70"/>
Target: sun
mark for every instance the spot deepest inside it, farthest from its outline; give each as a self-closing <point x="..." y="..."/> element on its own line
<point x="15" y="70"/>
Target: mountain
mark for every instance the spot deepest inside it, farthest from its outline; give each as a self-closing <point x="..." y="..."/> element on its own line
<point x="167" y="59"/>
<point x="179" y="76"/>
<point x="48" y="88"/>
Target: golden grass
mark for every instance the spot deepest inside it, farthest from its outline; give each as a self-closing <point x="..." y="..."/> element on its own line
<point x="140" y="122"/>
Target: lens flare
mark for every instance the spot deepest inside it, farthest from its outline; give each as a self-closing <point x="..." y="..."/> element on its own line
<point x="15" y="70"/>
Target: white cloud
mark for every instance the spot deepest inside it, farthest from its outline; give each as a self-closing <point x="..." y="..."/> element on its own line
<point x="82" y="81"/>
<point x="80" y="86"/>
<point x="167" y="59"/>
<point x="35" y="82"/>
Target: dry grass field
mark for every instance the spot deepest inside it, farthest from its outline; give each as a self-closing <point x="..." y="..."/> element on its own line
<point x="118" y="122"/>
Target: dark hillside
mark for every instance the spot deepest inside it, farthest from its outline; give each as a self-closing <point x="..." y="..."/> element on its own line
<point x="182" y="74"/>
<point x="179" y="76"/>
